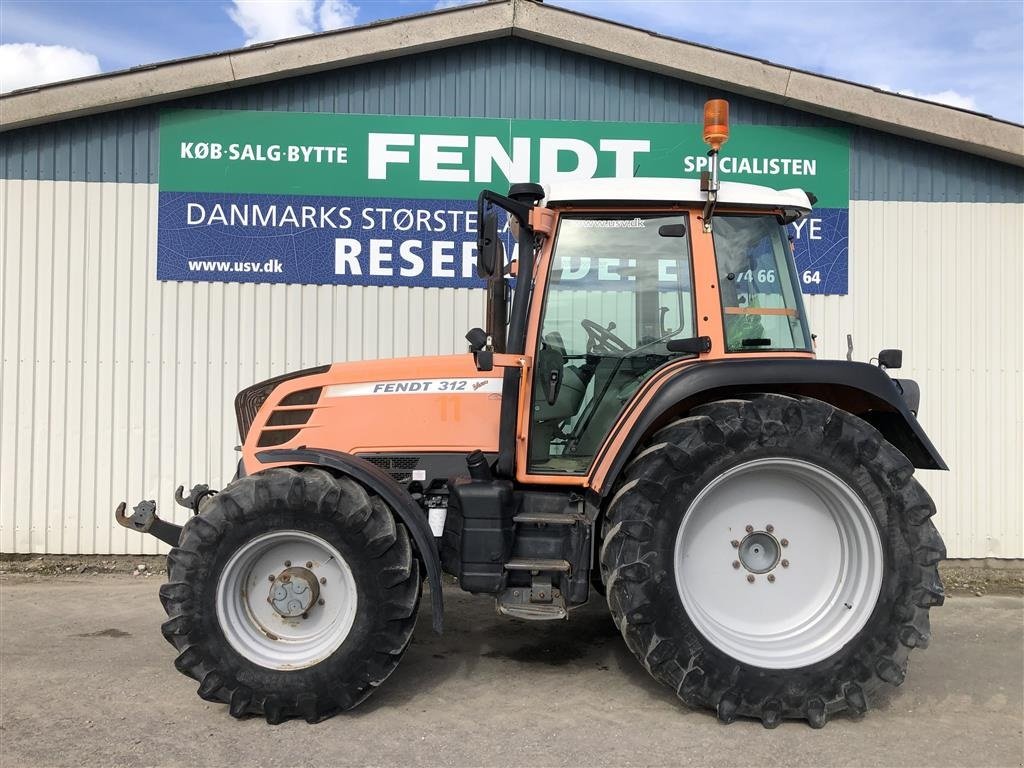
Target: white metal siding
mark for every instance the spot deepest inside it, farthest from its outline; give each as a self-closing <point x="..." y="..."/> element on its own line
<point x="115" y="386"/>
<point x="942" y="281"/>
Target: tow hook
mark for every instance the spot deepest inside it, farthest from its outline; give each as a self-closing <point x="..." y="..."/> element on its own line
<point x="144" y="520"/>
<point x="195" y="498"/>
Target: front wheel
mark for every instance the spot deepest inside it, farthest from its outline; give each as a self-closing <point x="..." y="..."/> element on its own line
<point x="292" y="594"/>
<point x="772" y="558"/>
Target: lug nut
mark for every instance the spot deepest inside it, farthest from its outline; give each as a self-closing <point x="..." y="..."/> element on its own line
<point x="771" y="577"/>
<point x="287" y="563"/>
<point x="305" y="615"/>
<point x="735" y="563"/>
<point x="735" y="543"/>
<point x="270" y="577"/>
<point x="323" y="579"/>
<point x="320" y="601"/>
<point x="785" y="563"/>
<point x="769" y="528"/>
<point x="309" y="563"/>
<point x="784" y="542"/>
<point x="750" y="529"/>
<point x="750" y="578"/>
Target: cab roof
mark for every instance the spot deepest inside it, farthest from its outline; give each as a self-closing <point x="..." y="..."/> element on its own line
<point x="668" y="191"/>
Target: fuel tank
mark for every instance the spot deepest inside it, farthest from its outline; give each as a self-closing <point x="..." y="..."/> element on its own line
<point x="437" y="404"/>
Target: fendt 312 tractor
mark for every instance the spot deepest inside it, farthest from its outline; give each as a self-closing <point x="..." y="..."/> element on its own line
<point x="643" y="417"/>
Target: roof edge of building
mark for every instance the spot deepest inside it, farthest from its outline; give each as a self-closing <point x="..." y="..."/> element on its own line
<point x="817" y="94"/>
<point x="829" y="97"/>
<point x="276" y="60"/>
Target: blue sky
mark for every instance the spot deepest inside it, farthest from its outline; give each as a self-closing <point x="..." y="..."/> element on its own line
<point x="969" y="54"/>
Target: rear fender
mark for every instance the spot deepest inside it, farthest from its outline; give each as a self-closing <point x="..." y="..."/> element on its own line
<point x="396" y="497"/>
<point x="861" y="389"/>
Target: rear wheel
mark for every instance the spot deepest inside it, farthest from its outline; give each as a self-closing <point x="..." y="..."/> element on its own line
<point x="292" y="594"/>
<point x="772" y="558"/>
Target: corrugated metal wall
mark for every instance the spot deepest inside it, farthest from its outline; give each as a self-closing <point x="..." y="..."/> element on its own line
<point x="939" y="280"/>
<point x="510" y="78"/>
<point x="115" y="386"/>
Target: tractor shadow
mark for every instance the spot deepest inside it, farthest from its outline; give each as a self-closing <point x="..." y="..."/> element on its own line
<point x="478" y="641"/>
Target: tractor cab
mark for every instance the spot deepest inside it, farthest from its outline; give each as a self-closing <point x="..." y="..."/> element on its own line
<point x="622" y="299"/>
<point x="617" y="280"/>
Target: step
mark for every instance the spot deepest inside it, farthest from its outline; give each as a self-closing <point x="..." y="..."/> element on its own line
<point x="533" y="611"/>
<point x="537" y="564"/>
<point x="547" y="518"/>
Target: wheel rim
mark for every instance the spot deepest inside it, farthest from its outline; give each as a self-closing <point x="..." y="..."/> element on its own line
<point x="286" y="600"/>
<point x="778" y="563"/>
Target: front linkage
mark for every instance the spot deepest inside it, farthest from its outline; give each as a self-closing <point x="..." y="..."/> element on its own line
<point x="144" y="518"/>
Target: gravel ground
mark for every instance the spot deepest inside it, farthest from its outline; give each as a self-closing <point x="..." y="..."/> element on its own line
<point x="87" y="680"/>
<point x="959" y="579"/>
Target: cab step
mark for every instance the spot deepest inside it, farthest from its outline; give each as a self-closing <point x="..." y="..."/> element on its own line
<point x="533" y="611"/>
<point x="548" y="518"/>
<point x="537" y="564"/>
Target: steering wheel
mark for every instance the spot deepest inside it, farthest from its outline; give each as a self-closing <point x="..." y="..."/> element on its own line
<point x="601" y="341"/>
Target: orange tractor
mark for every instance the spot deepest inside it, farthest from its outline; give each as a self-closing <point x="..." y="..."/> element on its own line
<point x="645" y="419"/>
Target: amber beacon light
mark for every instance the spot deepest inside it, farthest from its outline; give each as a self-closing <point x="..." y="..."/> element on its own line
<point x="716" y="123"/>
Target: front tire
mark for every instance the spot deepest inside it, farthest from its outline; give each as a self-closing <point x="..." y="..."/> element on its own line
<point x="294" y="593"/>
<point x="772" y="558"/>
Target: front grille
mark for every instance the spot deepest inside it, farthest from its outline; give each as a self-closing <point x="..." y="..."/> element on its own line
<point x="250" y="399"/>
<point x="271" y="434"/>
<point x="399" y="467"/>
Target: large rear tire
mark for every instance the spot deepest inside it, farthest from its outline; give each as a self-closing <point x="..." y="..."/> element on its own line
<point x="772" y="557"/>
<point x="294" y="593"/>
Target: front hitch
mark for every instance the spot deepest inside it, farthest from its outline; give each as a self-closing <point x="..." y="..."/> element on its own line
<point x="144" y="520"/>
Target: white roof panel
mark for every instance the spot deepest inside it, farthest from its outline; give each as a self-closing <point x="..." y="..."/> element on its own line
<point x="672" y="191"/>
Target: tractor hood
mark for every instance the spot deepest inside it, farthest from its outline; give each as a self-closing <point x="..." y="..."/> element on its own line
<point x="410" y="405"/>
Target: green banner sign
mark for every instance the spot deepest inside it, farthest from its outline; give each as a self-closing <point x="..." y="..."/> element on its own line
<point x="221" y="173"/>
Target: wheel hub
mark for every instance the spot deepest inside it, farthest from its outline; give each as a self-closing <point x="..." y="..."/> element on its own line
<point x="759" y="552"/>
<point x="294" y="592"/>
<point x="307" y="612"/>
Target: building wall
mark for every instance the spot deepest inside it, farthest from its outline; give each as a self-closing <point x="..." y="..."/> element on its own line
<point x="115" y="386"/>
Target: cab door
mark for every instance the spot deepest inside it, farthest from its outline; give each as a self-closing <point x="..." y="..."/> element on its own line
<point x="616" y="288"/>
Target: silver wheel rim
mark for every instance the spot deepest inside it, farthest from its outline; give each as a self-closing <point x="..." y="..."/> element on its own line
<point x="286" y="600"/>
<point x="778" y="563"/>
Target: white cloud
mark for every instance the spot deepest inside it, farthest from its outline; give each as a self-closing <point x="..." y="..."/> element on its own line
<point x="948" y="97"/>
<point x="263" y="20"/>
<point x="335" y="14"/>
<point x="969" y="55"/>
<point x="27" y="64"/>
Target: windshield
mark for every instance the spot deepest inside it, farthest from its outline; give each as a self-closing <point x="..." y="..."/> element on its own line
<point x="619" y="288"/>
<point x="761" y="300"/>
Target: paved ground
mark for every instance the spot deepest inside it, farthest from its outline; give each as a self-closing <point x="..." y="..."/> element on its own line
<point x="86" y="679"/>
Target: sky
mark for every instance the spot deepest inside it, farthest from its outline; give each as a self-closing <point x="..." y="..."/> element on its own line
<point x="966" y="54"/>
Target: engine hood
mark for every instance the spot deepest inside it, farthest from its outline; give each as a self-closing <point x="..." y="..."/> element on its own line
<point x="406" y="405"/>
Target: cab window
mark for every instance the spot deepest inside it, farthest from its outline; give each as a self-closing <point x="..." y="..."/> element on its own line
<point x="761" y="300"/>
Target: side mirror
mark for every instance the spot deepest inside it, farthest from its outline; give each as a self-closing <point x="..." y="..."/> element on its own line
<point x="490" y="251"/>
<point x="672" y="230"/>
<point x="890" y="358"/>
<point x="695" y="346"/>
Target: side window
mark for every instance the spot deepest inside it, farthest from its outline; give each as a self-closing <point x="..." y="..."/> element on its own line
<point x="761" y="300"/>
<point x="619" y="289"/>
